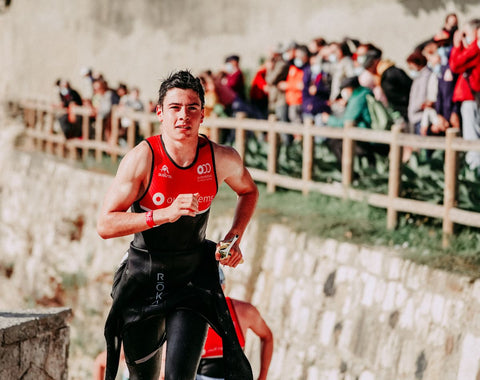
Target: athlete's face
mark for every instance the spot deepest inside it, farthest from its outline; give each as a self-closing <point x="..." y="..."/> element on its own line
<point x="180" y="114"/>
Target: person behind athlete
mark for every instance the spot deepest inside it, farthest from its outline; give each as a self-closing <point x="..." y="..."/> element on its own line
<point x="168" y="285"/>
<point x="245" y="316"/>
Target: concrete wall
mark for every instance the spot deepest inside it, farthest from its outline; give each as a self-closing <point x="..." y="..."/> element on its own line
<point x="338" y="311"/>
<point x="139" y="42"/>
<point x="34" y="344"/>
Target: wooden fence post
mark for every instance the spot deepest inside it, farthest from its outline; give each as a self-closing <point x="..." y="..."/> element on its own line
<point x="348" y="146"/>
<point x="272" y="155"/>
<point x="394" y="179"/>
<point x="114" y="129"/>
<point x="450" y="189"/>
<point x="307" y="155"/>
<point x="49" y="146"/>
<point x="85" y="133"/>
<point x="240" y="136"/>
<point x="98" y="138"/>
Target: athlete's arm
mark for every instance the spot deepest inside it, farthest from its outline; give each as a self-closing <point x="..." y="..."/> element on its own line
<point x="128" y="185"/>
<point x="250" y="318"/>
<point x="231" y="170"/>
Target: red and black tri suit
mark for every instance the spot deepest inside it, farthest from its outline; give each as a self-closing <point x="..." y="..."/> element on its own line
<point x="170" y="270"/>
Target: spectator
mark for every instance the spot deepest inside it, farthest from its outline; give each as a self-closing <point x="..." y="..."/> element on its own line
<point x="259" y="91"/>
<point x="395" y="84"/>
<point x="368" y="57"/>
<point x="356" y="111"/>
<point x="293" y="85"/>
<point x="314" y="94"/>
<point x="315" y="45"/>
<point x="421" y="74"/>
<point x="131" y="101"/>
<point x="70" y="123"/>
<point x="122" y="92"/>
<point x="465" y="61"/>
<point x="211" y="98"/>
<point x="447" y="110"/>
<point x="277" y="71"/>
<point x="102" y="102"/>
<point x="234" y="76"/>
<point x="342" y="67"/>
<point x="450" y="26"/>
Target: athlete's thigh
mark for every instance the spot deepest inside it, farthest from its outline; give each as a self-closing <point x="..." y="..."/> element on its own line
<point x="142" y="346"/>
<point x="186" y="333"/>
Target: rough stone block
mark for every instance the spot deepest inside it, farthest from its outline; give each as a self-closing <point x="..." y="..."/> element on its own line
<point x="371" y="260"/>
<point x="389" y="300"/>
<point x="395" y="266"/>
<point x="34" y="351"/>
<point x="15" y="334"/>
<point x="438" y="306"/>
<point x="470" y="358"/>
<point x="10" y="356"/>
<point x="407" y="316"/>
<point x="327" y="325"/>
<point x="347" y="253"/>
<point x="58" y="354"/>
<point x="368" y="290"/>
<point x="366" y="375"/>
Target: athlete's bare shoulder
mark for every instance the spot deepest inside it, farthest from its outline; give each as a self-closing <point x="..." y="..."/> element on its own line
<point x="137" y="162"/>
<point x="227" y="162"/>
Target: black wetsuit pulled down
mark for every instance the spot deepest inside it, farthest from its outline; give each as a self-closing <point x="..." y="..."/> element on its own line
<point x="168" y="287"/>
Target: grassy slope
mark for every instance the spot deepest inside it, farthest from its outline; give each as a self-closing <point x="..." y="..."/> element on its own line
<point x="418" y="238"/>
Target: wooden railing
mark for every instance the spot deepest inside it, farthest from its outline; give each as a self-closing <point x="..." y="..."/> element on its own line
<point x="39" y="121"/>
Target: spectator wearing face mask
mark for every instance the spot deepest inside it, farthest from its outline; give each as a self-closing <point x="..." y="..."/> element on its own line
<point x="356" y="109"/>
<point x="234" y="76"/>
<point x="315" y="94"/>
<point x="420" y="73"/>
<point x="368" y="56"/>
<point x="277" y="71"/>
<point x="465" y="61"/>
<point x="293" y="85"/>
<point x="357" y="112"/>
<point x="342" y="66"/>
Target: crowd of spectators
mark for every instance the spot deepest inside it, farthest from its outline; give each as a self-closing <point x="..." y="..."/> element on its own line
<point x="329" y="83"/>
<point x="99" y="98"/>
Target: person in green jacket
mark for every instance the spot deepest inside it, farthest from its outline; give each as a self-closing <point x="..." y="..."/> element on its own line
<point x="356" y="110"/>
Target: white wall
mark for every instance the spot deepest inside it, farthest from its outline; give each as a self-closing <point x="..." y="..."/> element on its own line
<point x="139" y="42"/>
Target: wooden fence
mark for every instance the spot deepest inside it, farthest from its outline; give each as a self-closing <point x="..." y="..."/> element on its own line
<point x="40" y="120"/>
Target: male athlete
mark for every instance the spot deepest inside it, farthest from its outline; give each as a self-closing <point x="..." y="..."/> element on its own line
<point x="168" y="285"/>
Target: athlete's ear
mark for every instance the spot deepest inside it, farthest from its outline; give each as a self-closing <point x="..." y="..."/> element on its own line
<point x="159" y="112"/>
<point x="202" y="113"/>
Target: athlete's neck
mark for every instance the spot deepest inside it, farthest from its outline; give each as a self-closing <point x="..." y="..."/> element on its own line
<point x="181" y="152"/>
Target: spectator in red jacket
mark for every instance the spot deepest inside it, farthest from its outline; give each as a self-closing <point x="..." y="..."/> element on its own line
<point x="259" y="91"/>
<point x="465" y="61"/>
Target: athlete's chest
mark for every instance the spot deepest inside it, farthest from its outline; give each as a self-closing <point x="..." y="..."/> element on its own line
<point x="169" y="180"/>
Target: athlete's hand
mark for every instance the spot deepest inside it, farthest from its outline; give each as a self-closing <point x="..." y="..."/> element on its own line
<point x="184" y="204"/>
<point x="235" y="256"/>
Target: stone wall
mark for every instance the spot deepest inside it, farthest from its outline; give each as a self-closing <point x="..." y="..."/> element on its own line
<point x="34" y="344"/>
<point x="338" y="311"/>
<point x="140" y="41"/>
<point x="343" y="311"/>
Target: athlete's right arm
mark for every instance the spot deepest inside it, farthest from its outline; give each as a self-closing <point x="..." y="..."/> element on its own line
<point x="128" y="185"/>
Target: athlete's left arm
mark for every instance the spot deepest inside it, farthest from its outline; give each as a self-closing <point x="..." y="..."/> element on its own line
<point x="231" y="170"/>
